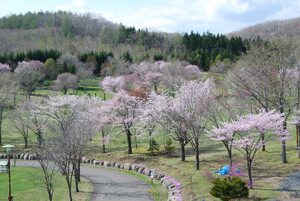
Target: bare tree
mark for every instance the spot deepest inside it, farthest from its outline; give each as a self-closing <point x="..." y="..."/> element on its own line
<point x="263" y="75"/>
<point x="45" y="159"/>
<point x="20" y="123"/>
<point x="72" y="120"/>
<point x="7" y="90"/>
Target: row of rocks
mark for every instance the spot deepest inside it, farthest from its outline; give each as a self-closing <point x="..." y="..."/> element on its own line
<point x="19" y="156"/>
<point x="174" y="187"/>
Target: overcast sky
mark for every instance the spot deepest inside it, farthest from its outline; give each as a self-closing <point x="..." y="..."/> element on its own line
<point x="217" y="16"/>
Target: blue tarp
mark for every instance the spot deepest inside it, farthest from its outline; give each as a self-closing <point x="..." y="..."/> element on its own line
<point x="224" y="170"/>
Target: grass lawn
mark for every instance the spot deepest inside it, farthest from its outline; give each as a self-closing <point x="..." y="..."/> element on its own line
<point x="26" y="186"/>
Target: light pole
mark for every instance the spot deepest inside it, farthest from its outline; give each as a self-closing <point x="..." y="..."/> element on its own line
<point x="8" y="148"/>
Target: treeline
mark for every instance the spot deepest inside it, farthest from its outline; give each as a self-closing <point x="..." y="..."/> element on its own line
<point x="139" y="37"/>
<point x="40" y="55"/>
<point x="96" y="59"/>
<point x="207" y="49"/>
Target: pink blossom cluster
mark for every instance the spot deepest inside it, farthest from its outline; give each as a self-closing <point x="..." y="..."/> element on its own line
<point x="177" y="185"/>
<point x="235" y="170"/>
<point x="4" y="68"/>
<point x="113" y="84"/>
<point x="247" y="129"/>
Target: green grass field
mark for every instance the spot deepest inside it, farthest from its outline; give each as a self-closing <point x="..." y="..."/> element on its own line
<point x="26" y="186"/>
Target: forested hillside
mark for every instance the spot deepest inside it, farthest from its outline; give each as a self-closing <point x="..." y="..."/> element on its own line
<point x="271" y="29"/>
<point x="82" y="33"/>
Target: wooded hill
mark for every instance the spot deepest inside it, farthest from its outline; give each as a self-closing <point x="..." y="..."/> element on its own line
<point x="271" y="29"/>
<point x="81" y="33"/>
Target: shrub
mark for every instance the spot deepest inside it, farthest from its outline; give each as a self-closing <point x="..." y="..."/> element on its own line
<point x="169" y="148"/>
<point x="154" y="146"/>
<point x="229" y="188"/>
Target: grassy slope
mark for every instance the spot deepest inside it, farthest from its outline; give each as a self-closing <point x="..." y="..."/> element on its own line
<point x="25" y="187"/>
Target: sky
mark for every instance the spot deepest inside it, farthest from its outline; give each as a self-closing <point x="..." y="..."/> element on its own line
<point x="216" y="16"/>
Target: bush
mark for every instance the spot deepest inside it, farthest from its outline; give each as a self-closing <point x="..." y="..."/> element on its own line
<point x="158" y="57"/>
<point x="229" y="188"/>
<point x="154" y="146"/>
<point x="169" y="148"/>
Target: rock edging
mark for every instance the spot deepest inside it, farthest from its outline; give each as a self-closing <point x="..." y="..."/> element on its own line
<point x="172" y="185"/>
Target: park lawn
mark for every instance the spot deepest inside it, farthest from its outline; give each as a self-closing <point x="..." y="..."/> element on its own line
<point x="268" y="170"/>
<point x="26" y="186"/>
<point x="267" y="167"/>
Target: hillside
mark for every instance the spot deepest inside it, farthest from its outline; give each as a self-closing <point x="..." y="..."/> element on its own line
<point x="74" y="33"/>
<point x="271" y="29"/>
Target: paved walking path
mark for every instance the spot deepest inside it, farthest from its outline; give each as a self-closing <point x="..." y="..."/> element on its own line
<point x="291" y="184"/>
<point x="109" y="185"/>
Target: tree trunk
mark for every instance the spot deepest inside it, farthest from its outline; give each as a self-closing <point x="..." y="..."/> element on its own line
<point x="14" y="99"/>
<point x="50" y="196"/>
<point x="283" y="147"/>
<point x="229" y="152"/>
<point x="103" y="143"/>
<point x="26" y="143"/>
<point x="150" y="143"/>
<point x="1" y="116"/>
<point x="135" y="141"/>
<point x="283" y="152"/>
<point x="249" y="169"/>
<point x="263" y="139"/>
<point x="128" y="133"/>
<point x="76" y="181"/>
<point x="155" y="88"/>
<point x="69" y="189"/>
<point x="197" y="154"/>
<point x="182" y="149"/>
<point x="78" y="168"/>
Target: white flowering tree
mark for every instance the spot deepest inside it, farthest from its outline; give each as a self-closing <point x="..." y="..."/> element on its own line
<point x="193" y="103"/>
<point x="123" y="110"/>
<point x="66" y="81"/>
<point x="29" y="74"/>
<point x="72" y="121"/>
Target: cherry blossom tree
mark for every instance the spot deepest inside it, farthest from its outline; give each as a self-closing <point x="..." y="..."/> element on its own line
<point x="112" y="84"/>
<point x="245" y="134"/>
<point x="123" y="110"/>
<point x="193" y="103"/>
<point x="66" y="81"/>
<point x="192" y="72"/>
<point x="154" y="78"/>
<point x="29" y="74"/>
<point x="163" y="110"/>
<point x="5" y="68"/>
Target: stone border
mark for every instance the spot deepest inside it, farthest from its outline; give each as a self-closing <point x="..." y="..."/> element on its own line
<point x="172" y="185"/>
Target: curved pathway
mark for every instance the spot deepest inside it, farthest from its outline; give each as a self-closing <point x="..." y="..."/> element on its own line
<point x="291" y="184"/>
<point x="109" y="185"/>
